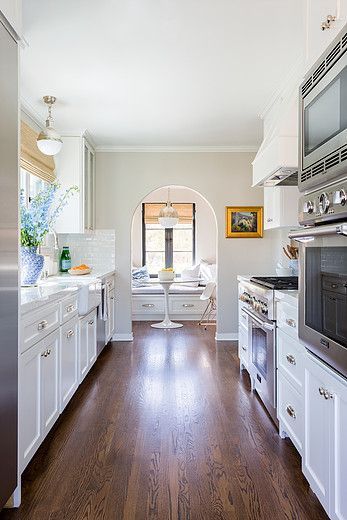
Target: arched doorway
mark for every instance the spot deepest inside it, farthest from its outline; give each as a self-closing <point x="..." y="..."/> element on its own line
<point x="193" y="241"/>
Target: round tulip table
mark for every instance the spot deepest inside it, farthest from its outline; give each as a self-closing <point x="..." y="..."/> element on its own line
<point x="166" y="284"/>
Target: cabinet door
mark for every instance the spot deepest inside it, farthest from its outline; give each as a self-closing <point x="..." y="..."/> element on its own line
<point x="318" y="418"/>
<point x="243" y="347"/>
<point x="83" y="348"/>
<point x="338" y="501"/>
<point x="29" y="409"/>
<point x="68" y="362"/>
<point x="50" y="382"/>
<point x="270" y="208"/>
<point x="89" y="185"/>
<point x="112" y="310"/>
<point x="318" y="40"/>
<point x="91" y="338"/>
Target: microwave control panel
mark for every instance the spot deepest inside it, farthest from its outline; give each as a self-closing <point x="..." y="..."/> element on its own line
<point x="324" y="205"/>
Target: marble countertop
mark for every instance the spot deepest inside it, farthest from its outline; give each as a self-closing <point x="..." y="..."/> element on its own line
<point x="55" y="288"/>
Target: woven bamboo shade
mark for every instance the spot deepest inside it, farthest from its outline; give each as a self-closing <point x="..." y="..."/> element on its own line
<point x="31" y="159"/>
<point x="184" y="210"/>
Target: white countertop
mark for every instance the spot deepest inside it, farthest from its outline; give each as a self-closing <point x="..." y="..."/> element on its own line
<point x="289" y="296"/>
<point x="56" y="287"/>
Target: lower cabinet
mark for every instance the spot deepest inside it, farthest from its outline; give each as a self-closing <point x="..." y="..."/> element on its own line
<point x="68" y="369"/>
<point x="325" y="453"/>
<point x="110" y="322"/>
<point x="87" y="344"/>
<point x="243" y="347"/>
<point x="38" y="395"/>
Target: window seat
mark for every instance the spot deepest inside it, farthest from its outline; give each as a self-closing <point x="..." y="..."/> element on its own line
<point x="174" y="289"/>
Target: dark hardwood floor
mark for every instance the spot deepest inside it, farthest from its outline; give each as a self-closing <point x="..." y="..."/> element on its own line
<point x="165" y="428"/>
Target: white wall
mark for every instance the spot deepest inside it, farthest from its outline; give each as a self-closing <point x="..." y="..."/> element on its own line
<point x="123" y="179"/>
<point x="205" y="223"/>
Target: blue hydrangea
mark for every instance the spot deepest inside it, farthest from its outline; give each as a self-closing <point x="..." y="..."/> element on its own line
<point x="38" y="218"/>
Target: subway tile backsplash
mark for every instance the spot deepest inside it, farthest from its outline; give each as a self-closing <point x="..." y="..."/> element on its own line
<point x="96" y="248"/>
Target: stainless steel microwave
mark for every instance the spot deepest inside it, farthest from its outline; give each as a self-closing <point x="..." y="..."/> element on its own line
<point x="323" y="118"/>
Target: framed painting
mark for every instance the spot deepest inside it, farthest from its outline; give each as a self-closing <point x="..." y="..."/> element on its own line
<point x="243" y="221"/>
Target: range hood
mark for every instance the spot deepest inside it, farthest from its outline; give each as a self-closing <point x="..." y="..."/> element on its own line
<point x="276" y="163"/>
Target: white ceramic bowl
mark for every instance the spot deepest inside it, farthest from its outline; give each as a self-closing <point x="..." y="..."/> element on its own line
<point x="79" y="272"/>
<point x="284" y="271"/>
<point x="166" y="276"/>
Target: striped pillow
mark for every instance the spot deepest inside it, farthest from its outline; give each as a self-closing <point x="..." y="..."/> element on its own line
<point x="140" y="276"/>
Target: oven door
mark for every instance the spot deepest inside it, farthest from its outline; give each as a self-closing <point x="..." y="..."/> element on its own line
<point x="262" y="366"/>
<point x="323" y="293"/>
<point x="324" y="115"/>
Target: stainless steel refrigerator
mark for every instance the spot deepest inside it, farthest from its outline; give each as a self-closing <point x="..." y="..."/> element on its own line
<point x="8" y="263"/>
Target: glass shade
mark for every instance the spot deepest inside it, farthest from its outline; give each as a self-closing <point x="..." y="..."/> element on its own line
<point x="168" y="216"/>
<point x="49" y="141"/>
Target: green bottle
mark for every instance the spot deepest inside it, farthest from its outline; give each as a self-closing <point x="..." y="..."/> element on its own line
<point x="65" y="260"/>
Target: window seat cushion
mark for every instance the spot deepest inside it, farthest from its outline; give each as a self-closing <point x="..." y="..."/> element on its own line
<point x="174" y="289"/>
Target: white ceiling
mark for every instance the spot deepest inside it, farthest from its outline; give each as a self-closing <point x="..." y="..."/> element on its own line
<point x="160" y="72"/>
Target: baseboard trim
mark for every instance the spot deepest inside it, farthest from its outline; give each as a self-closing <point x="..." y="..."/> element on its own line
<point x="226" y="336"/>
<point x="123" y="337"/>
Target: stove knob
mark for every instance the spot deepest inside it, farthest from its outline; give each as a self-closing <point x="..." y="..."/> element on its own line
<point x="340" y="197"/>
<point x="324" y="202"/>
<point x="308" y="207"/>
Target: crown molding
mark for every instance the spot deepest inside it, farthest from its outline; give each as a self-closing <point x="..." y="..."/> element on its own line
<point x="158" y="149"/>
<point x="32" y="113"/>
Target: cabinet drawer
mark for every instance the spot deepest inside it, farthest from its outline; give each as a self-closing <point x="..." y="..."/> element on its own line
<point x="110" y="282"/>
<point x="243" y="318"/>
<point x="187" y="306"/>
<point x="287" y="318"/>
<point x="291" y="359"/>
<point x="148" y="305"/>
<point x="69" y="308"/>
<point x="36" y="325"/>
<point x="291" y="412"/>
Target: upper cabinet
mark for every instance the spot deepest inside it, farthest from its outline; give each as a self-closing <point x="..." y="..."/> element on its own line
<point x="318" y="13"/>
<point x="281" y="207"/>
<point x="75" y="166"/>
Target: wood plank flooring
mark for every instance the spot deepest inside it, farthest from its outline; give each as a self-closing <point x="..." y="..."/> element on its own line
<point x="165" y="428"/>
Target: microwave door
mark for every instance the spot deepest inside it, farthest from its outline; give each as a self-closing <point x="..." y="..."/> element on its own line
<point x="323" y="293"/>
<point x="324" y="115"/>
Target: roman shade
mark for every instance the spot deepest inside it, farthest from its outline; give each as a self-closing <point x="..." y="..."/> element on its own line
<point x="184" y="210"/>
<point x="31" y="159"/>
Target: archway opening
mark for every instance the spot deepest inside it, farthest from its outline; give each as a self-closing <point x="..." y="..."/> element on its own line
<point x="190" y="248"/>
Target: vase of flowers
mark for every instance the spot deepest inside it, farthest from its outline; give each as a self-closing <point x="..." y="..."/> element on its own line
<point x="37" y="219"/>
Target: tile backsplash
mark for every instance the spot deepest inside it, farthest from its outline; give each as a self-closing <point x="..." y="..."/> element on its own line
<point x="96" y="248"/>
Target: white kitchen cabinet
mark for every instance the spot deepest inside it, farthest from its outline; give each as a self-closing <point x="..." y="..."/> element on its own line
<point x="317" y="12"/>
<point x="75" y="166"/>
<point x="38" y="395"/>
<point x="243" y="348"/>
<point x="110" y="321"/>
<point x="325" y="457"/>
<point x="68" y="366"/>
<point x="87" y="344"/>
<point x="280" y="206"/>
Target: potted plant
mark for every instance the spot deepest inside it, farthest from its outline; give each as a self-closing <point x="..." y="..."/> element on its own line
<point x="37" y="219"/>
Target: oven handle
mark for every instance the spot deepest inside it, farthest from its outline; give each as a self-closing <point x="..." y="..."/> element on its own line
<point x="264" y="324"/>
<point x="307" y="234"/>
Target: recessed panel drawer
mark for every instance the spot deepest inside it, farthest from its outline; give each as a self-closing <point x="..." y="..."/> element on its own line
<point x="38" y="324"/>
<point x="287" y="318"/>
<point x="69" y="308"/>
<point x="291" y="412"/>
<point x="148" y="304"/>
<point x="243" y="318"/>
<point x="243" y="346"/>
<point x="291" y="359"/>
<point x="186" y="305"/>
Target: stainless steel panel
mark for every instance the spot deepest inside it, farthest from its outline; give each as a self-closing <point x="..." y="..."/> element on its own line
<point x="8" y="263"/>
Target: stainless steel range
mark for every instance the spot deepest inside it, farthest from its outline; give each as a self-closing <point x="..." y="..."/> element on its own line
<point x="257" y="297"/>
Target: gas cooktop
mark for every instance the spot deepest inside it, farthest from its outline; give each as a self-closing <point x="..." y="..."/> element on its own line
<point x="277" y="282"/>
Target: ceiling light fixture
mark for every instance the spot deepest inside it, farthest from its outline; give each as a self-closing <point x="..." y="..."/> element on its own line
<point x="168" y="216"/>
<point x="49" y="141"/>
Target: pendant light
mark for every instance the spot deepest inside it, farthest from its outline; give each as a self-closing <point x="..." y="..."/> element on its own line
<point x="49" y="141"/>
<point x="168" y="216"/>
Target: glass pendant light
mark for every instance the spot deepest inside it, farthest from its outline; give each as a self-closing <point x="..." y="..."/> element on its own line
<point x="49" y="141"/>
<point x="168" y="216"/>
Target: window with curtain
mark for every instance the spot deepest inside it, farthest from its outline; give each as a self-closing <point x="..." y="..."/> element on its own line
<point x="173" y="247"/>
<point x="36" y="169"/>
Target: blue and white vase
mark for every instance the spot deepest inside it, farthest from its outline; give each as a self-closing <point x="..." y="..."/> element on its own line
<point x="31" y="264"/>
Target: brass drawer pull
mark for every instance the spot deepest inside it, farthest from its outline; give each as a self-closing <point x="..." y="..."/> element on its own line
<point x="42" y="325"/>
<point x="70" y="308"/>
<point x="291" y="359"/>
<point x="187" y="305"/>
<point x="291" y="323"/>
<point x="290" y="411"/>
<point x="70" y="333"/>
<point x="91" y="322"/>
<point x="147" y="305"/>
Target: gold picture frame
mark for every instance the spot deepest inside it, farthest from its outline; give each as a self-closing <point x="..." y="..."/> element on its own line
<point x="244" y="222"/>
